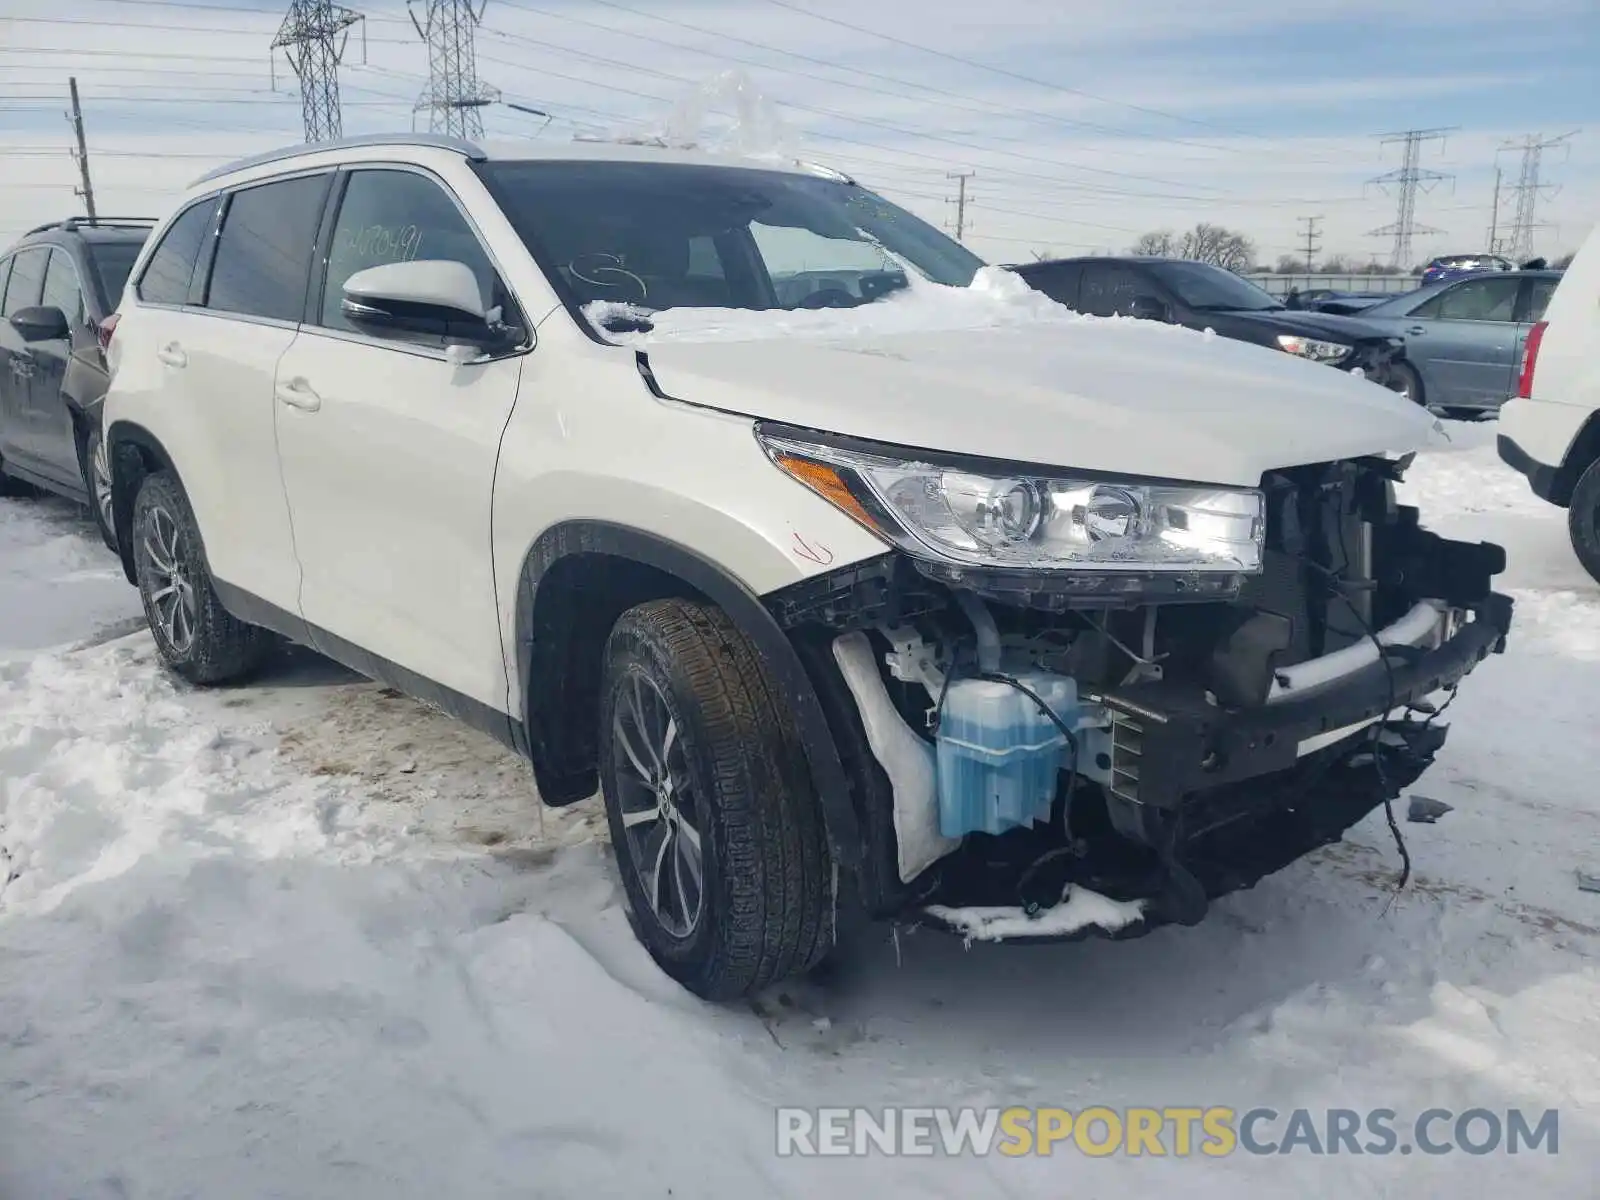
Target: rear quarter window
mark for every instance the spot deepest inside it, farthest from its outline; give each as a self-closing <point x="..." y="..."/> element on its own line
<point x="166" y="277"/>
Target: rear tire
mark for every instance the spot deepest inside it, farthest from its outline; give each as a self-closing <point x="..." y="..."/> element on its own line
<point x="97" y="484"/>
<point x="195" y="636"/>
<point x="1583" y="519"/>
<point x="717" y="830"/>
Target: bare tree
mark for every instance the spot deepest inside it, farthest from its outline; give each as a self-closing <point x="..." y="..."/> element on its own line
<point x="1338" y="264"/>
<point x="1288" y="264"/>
<point x="1159" y="244"/>
<point x="1219" y="246"/>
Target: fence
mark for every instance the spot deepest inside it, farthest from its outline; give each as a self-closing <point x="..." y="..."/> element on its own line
<point x="1279" y="285"/>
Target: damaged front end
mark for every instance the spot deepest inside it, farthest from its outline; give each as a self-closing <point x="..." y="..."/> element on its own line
<point x="1049" y="753"/>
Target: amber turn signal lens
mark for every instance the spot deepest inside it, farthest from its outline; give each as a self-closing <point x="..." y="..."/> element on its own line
<point x="827" y="483"/>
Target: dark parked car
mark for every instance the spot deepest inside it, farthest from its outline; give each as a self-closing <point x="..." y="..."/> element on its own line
<point x="58" y="286"/>
<point x="1464" y="338"/>
<point x="1201" y="296"/>
<point x="1459" y="266"/>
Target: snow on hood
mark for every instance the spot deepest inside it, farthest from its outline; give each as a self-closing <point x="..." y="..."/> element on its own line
<point x="1002" y="371"/>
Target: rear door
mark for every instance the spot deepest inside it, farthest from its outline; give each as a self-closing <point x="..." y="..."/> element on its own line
<point x="24" y="287"/>
<point x="1059" y="281"/>
<point x="1108" y="289"/>
<point x="226" y="349"/>
<point x="1468" y="336"/>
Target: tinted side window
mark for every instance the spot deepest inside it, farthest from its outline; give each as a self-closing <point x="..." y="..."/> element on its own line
<point x="27" y="280"/>
<point x="1109" y="290"/>
<point x="1481" y="299"/>
<point x="167" y="274"/>
<point x="61" y="287"/>
<point x="399" y="216"/>
<point x="265" y="249"/>
<point x="1060" y="283"/>
<point x="5" y="273"/>
<point x="1539" y="293"/>
<point x="113" y="262"/>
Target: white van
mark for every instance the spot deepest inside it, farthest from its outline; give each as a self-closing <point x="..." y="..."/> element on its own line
<point x="1550" y="431"/>
<point x="850" y="569"/>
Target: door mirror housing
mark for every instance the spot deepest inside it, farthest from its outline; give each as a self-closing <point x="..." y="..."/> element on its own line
<point x="41" y="323"/>
<point x="427" y="298"/>
<point x="1149" y="308"/>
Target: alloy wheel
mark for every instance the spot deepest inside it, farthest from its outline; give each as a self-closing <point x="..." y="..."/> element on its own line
<point x="661" y="816"/>
<point x="172" y="595"/>
<point x="100" y="479"/>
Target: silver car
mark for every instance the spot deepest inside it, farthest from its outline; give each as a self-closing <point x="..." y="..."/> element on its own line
<point x="1464" y="338"/>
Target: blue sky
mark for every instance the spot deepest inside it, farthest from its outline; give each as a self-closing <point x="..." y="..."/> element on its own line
<point x="1083" y="123"/>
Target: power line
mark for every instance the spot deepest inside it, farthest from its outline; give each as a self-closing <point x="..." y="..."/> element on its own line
<point x="1408" y="179"/>
<point x="947" y="97"/>
<point x="313" y="37"/>
<point x="1528" y="189"/>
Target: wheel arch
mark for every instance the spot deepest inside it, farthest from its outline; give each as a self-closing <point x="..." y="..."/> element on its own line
<point x="134" y="452"/>
<point x="576" y="580"/>
<point x="1584" y="451"/>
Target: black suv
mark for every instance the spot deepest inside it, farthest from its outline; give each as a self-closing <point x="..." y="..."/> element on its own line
<point x="58" y="287"/>
<point x="1202" y="296"/>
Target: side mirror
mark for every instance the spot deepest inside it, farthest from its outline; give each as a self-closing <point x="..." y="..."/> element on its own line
<point x="428" y="297"/>
<point x="41" y="323"/>
<point x="1148" y="308"/>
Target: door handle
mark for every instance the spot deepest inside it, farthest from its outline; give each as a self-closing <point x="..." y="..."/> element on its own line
<point x="1417" y="330"/>
<point x="172" y="354"/>
<point x="297" y="393"/>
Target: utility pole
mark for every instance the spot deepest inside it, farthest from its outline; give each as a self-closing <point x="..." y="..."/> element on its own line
<point x="87" y="190"/>
<point x="454" y="97"/>
<point x="1408" y="180"/>
<point x="312" y="36"/>
<point x="1313" y="240"/>
<point x="960" y="201"/>
<point x="1494" y="216"/>
<point x="1527" y="190"/>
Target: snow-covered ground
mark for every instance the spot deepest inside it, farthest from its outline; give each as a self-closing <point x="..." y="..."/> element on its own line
<point x="308" y="939"/>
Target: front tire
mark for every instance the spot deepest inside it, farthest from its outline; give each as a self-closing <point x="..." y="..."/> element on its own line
<point x="1405" y="380"/>
<point x="195" y="636"/>
<point x="717" y="830"/>
<point x="1583" y="519"/>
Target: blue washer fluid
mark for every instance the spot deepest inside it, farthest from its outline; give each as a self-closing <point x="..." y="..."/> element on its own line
<point x="998" y="755"/>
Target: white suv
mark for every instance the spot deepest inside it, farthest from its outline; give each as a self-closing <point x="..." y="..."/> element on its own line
<point x="1550" y="431"/>
<point x="848" y="568"/>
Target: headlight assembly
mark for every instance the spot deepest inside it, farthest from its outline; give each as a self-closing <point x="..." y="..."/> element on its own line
<point x="1311" y="348"/>
<point x="964" y="515"/>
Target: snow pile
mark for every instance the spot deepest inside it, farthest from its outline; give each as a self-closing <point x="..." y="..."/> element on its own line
<point x="997" y="298"/>
<point x="1079" y="909"/>
<point x="239" y="958"/>
<point x="58" y="583"/>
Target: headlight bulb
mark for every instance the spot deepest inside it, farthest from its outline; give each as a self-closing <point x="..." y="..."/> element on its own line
<point x="1111" y="512"/>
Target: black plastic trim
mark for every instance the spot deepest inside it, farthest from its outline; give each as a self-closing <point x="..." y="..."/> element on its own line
<point x="746" y="610"/>
<point x="1191" y="745"/>
<point x="1544" y="480"/>
<point x="125" y="480"/>
<point x="247" y="606"/>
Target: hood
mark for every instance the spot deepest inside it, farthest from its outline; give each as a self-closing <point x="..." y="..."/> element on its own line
<point x="1116" y="395"/>
<point x="1327" y="326"/>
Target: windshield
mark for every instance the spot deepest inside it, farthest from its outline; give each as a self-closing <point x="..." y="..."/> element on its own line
<point x="669" y="235"/>
<point x="1204" y="287"/>
<point x="112" y="262"/>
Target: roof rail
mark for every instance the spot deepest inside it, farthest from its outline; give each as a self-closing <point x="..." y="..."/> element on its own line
<point x="430" y="140"/>
<point x="68" y="224"/>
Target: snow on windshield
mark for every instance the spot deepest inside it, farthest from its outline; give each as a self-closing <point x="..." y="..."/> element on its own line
<point x="996" y="298"/>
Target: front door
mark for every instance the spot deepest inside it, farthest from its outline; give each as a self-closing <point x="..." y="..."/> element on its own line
<point x="23" y="290"/>
<point x="52" y="436"/>
<point x="388" y="453"/>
